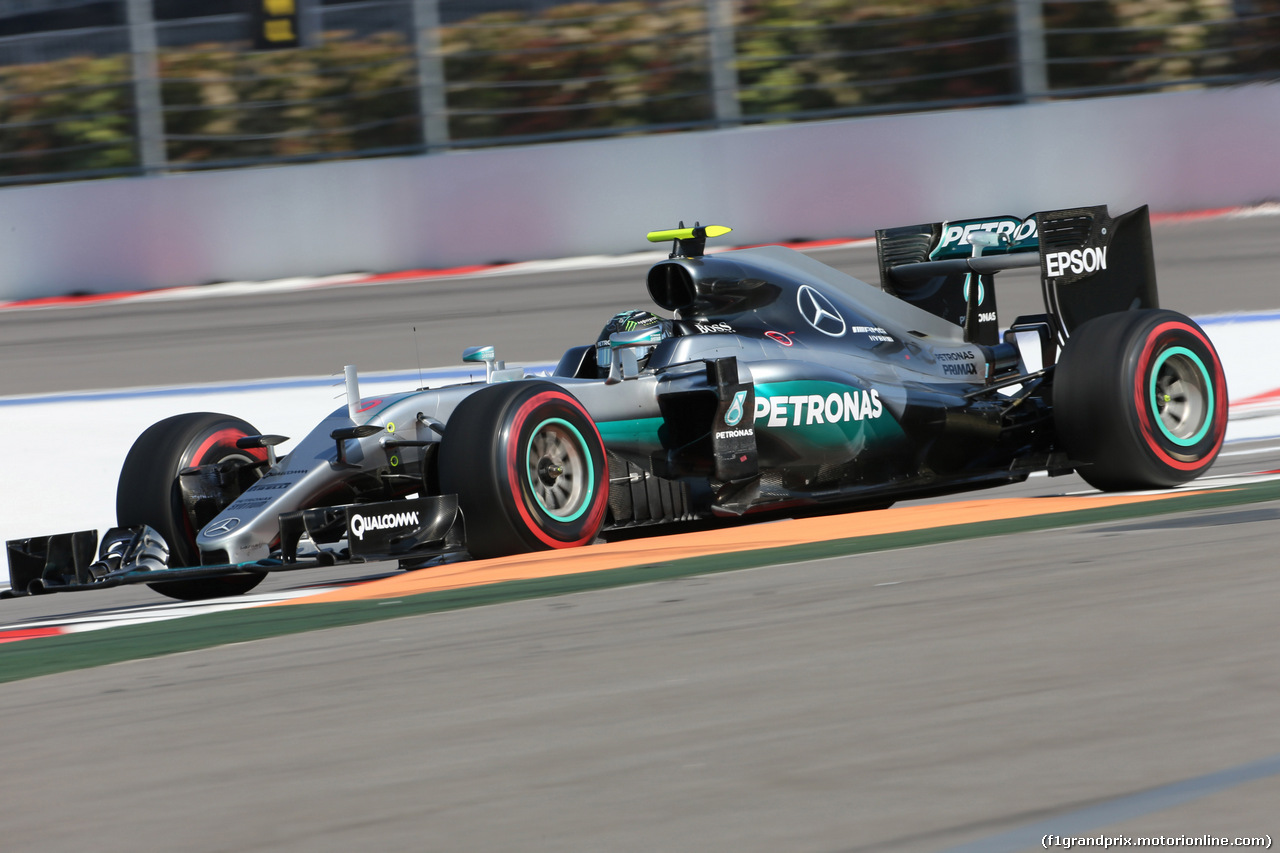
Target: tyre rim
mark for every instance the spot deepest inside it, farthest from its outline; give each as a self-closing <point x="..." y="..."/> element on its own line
<point x="559" y="472"/>
<point x="1182" y="396"/>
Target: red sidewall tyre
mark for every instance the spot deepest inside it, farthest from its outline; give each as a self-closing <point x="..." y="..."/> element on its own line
<point x="148" y="491"/>
<point x="529" y="468"/>
<point x="1181" y="454"/>
<point x="1140" y="400"/>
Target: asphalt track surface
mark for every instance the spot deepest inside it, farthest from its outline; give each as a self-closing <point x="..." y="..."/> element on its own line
<point x="927" y="698"/>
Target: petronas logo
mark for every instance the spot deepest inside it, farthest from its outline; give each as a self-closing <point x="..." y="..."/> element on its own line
<point x="734" y="415"/>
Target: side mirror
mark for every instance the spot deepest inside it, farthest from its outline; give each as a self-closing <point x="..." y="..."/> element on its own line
<point x="624" y="361"/>
<point x="486" y="355"/>
<point x="475" y="355"/>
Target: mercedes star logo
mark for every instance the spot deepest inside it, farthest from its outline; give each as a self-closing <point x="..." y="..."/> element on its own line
<point x="225" y="526"/>
<point x="818" y="312"/>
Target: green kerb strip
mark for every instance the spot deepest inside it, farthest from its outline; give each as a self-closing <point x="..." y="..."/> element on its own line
<point x="44" y="656"/>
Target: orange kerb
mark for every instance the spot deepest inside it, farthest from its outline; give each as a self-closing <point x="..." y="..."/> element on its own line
<point x="682" y="546"/>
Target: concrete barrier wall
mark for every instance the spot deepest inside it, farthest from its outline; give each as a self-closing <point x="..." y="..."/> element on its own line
<point x="1174" y="151"/>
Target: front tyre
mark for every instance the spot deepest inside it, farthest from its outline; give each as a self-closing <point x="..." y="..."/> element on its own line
<point x="1140" y="397"/>
<point x="528" y="466"/>
<point x="149" y="493"/>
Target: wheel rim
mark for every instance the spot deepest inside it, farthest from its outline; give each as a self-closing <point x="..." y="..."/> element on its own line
<point x="559" y="470"/>
<point x="1182" y="396"/>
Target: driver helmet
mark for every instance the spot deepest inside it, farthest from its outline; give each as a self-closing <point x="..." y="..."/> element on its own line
<point x="627" y="321"/>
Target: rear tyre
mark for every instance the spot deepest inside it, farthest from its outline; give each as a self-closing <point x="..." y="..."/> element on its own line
<point x="148" y="492"/>
<point x="1140" y="397"/>
<point x="528" y="466"/>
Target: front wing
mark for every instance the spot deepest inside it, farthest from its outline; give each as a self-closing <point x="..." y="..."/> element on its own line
<point x="409" y="531"/>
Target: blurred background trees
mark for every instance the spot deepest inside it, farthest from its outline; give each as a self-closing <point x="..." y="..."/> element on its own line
<point x="517" y="71"/>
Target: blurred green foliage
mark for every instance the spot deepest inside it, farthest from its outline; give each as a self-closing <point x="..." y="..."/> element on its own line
<point x="605" y="67"/>
<point x="829" y="55"/>
<point x="1144" y="42"/>
<point x="72" y="115"/>
<point x="577" y="67"/>
<point x="347" y="95"/>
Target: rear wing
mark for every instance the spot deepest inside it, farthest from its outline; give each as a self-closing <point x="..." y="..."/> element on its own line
<point x="1090" y="264"/>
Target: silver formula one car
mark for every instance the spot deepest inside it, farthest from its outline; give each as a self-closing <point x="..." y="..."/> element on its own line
<point x="778" y="385"/>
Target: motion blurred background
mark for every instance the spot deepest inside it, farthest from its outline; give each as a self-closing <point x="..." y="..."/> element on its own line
<point x="393" y="135"/>
<point x="100" y="88"/>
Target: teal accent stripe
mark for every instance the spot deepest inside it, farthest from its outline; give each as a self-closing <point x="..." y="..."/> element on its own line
<point x="637" y="431"/>
<point x="1208" y="384"/>
<point x="586" y="454"/>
